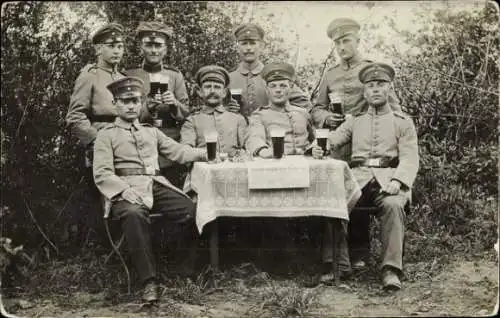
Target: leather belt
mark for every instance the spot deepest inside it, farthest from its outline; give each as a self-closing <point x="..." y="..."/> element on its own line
<point x="381" y="162"/>
<point x="103" y="118"/>
<point x="136" y="172"/>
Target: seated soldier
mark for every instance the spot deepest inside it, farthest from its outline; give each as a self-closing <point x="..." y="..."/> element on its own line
<point x="384" y="161"/>
<point x="231" y="127"/>
<point x="295" y="121"/>
<point x="126" y="172"/>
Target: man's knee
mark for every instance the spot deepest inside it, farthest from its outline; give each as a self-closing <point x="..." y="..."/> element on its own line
<point x="127" y="211"/>
<point x="393" y="205"/>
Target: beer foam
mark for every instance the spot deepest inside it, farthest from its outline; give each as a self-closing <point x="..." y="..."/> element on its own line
<point x="322" y="133"/>
<point x="334" y="98"/>
<point x="277" y="132"/>
<point x="211" y="136"/>
<point x="236" y="91"/>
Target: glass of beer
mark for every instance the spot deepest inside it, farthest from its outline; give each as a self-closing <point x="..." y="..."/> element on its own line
<point x="236" y="94"/>
<point x="157" y="88"/>
<point x="335" y="103"/>
<point x="278" y="139"/>
<point x="211" y="141"/>
<point x="321" y="138"/>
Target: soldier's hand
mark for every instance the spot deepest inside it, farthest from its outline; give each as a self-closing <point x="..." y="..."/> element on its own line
<point x="393" y="187"/>
<point x="168" y="98"/>
<point x="233" y="106"/>
<point x="131" y="196"/>
<point x="265" y="153"/>
<point x="317" y="152"/>
<point x="157" y="97"/>
<point x="334" y="120"/>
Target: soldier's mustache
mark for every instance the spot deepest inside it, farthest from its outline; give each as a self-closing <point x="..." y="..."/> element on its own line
<point x="210" y="95"/>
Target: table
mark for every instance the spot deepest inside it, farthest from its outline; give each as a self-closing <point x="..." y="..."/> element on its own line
<point x="223" y="191"/>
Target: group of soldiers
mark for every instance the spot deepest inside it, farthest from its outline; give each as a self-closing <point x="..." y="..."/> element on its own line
<point x="138" y="143"/>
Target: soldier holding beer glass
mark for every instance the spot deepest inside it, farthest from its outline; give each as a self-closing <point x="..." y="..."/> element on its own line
<point x="213" y="126"/>
<point x="279" y="128"/>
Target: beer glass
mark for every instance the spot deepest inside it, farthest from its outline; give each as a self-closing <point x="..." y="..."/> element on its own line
<point x="157" y="88"/>
<point x="321" y="138"/>
<point x="278" y="140"/>
<point x="236" y="94"/>
<point x="211" y="142"/>
<point x="335" y="103"/>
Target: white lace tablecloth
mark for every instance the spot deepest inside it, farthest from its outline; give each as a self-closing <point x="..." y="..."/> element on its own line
<point x="223" y="191"/>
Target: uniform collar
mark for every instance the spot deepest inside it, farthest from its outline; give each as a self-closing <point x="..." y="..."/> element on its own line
<point x="346" y="65"/>
<point x="110" y="70"/>
<point x="287" y="108"/>
<point x="151" y="68"/>
<point x="127" y="125"/>
<point x="380" y="111"/>
<point x="210" y="110"/>
<point x="256" y="71"/>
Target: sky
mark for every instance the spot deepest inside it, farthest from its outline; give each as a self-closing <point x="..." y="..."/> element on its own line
<point x="309" y="19"/>
<point x="303" y="24"/>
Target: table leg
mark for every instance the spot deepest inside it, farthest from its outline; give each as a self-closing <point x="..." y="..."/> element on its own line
<point x="214" y="244"/>
<point x="336" y="228"/>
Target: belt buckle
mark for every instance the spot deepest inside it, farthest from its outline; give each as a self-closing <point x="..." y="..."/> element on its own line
<point x="150" y="170"/>
<point x="374" y="162"/>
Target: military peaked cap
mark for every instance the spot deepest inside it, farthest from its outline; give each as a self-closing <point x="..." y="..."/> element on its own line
<point x="153" y="29"/>
<point x="109" y="33"/>
<point x="341" y="27"/>
<point x="278" y="71"/>
<point x="126" y="87"/>
<point x="212" y="73"/>
<point x="248" y="31"/>
<point x="376" y="72"/>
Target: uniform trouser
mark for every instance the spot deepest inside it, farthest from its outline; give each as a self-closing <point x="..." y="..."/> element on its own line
<point x="392" y="219"/>
<point x="359" y="221"/>
<point x="176" y="174"/>
<point x="135" y="225"/>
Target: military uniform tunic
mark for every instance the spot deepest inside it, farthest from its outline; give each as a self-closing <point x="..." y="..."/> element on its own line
<point x="381" y="133"/>
<point x="172" y="117"/>
<point x="254" y="93"/>
<point x="126" y="145"/>
<point x="90" y="102"/>
<point x="231" y="128"/>
<point x="294" y="120"/>
<point x="172" y="121"/>
<point x="343" y="79"/>
<point x="136" y="146"/>
<point x="375" y="134"/>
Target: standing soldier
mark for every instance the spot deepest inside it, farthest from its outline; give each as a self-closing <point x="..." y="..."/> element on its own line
<point x="342" y="84"/>
<point x="169" y="107"/>
<point x="384" y="161"/>
<point x="247" y="75"/>
<point x="91" y="104"/>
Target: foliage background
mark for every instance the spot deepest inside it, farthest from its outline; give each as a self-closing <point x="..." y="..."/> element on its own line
<point x="447" y="80"/>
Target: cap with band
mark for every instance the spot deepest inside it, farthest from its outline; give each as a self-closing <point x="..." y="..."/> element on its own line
<point x="278" y="71"/>
<point x="126" y="87"/>
<point x="248" y="31"/>
<point x="153" y="31"/>
<point x="109" y="34"/>
<point x="213" y="73"/>
<point x="376" y="72"/>
<point x="339" y="28"/>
